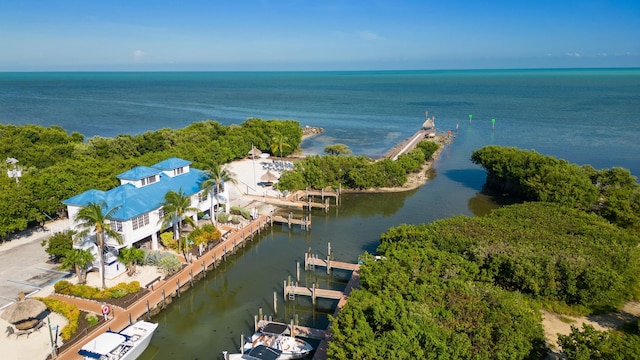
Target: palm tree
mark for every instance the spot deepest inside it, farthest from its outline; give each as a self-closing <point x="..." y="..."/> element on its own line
<point x="216" y="175"/>
<point x="131" y="257"/>
<point x="78" y="259"/>
<point x="94" y="218"/>
<point x="280" y="141"/>
<point x="177" y="209"/>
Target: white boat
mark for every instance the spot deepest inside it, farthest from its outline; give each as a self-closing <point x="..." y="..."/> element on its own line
<point x="259" y="352"/>
<point x="273" y="335"/>
<point x="127" y="344"/>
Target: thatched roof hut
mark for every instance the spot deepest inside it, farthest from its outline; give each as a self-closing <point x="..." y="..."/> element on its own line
<point x="24" y="313"/>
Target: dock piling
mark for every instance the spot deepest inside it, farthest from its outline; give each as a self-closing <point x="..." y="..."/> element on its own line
<point x="275" y="303"/>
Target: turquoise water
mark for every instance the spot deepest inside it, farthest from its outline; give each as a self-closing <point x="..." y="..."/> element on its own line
<point x="584" y="116"/>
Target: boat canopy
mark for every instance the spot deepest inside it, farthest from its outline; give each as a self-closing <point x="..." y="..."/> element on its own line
<point x="262" y="352"/>
<point x="102" y="345"/>
<point x="275" y="328"/>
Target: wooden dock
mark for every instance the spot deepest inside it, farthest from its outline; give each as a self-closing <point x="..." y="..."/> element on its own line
<point x="292" y="289"/>
<point x="304" y="198"/>
<point x="304" y="222"/>
<point x="311" y="261"/>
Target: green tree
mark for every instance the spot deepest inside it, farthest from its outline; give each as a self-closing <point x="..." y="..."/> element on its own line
<point x="79" y="260"/>
<point x="177" y="210"/>
<point x="216" y="177"/>
<point x="131" y="257"/>
<point x="94" y="217"/>
<point x="337" y="149"/>
<point x="59" y="244"/>
<point x="583" y="345"/>
<point x="280" y="142"/>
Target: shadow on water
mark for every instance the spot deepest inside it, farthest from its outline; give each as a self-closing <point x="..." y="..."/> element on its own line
<point x="471" y="178"/>
<point x="488" y="200"/>
<point x="367" y="205"/>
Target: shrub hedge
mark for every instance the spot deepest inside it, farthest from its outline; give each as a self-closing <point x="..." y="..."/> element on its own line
<point x="91" y="292"/>
<point x="69" y="311"/>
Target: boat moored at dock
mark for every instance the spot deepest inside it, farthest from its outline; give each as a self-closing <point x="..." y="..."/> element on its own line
<point x="273" y="335"/>
<point x="127" y="344"/>
<point x="259" y="352"/>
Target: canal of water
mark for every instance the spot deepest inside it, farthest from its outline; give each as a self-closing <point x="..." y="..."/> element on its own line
<point x="212" y="316"/>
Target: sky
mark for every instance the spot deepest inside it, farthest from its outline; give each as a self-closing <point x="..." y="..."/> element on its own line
<point x="312" y="35"/>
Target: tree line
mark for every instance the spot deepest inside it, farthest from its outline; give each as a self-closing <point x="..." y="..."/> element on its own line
<point x="611" y="193"/>
<point x="57" y="165"/>
<point x="355" y="172"/>
<point x="467" y="288"/>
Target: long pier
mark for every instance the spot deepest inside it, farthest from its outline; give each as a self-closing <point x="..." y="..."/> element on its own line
<point x="407" y="145"/>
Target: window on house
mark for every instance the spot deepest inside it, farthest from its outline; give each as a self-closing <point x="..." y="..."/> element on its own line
<point x="178" y="171"/>
<point x="116" y="226"/>
<point x="143" y="181"/>
<point x="203" y="196"/>
<point x="151" y="179"/>
<point x="140" y="221"/>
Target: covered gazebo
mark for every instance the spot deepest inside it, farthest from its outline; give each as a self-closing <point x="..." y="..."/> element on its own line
<point x="254" y="152"/>
<point x="25" y="313"/>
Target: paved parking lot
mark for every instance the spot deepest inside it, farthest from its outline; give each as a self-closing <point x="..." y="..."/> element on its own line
<point x="24" y="265"/>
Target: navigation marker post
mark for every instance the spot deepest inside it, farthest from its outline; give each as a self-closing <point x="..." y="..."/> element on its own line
<point x="470" y="116"/>
<point x="493" y="123"/>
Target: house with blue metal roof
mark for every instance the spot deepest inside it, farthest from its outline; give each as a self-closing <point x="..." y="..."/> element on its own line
<point x="138" y="202"/>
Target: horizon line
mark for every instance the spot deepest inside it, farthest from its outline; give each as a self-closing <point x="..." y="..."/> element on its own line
<point x="300" y="71"/>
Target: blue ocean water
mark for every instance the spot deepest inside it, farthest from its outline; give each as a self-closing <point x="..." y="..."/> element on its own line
<point x="584" y="115"/>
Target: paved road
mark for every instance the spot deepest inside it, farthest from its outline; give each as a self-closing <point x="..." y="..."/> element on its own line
<point x="24" y="266"/>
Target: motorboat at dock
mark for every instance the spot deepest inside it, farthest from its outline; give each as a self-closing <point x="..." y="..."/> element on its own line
<point x="273" y="335"/>
<point x="259" y="352"/>
<point x="127" y="344"/>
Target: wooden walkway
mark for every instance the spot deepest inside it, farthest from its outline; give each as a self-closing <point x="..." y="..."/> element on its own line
<point x="310" y="194"/>
<point x="304" y="222"/>
<point x="291" y="290"/>
<point x="310" y="262"/>
<point x="164" y="290"/>
<point x="354" y="283"/>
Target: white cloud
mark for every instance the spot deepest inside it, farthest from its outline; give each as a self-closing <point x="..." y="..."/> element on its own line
<point x="573" y="54"/>
<point x="138" y="54"/>
<point x="369" y="35"/>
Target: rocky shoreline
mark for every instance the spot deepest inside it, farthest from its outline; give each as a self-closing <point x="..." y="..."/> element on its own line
<point x="309" y="131"/>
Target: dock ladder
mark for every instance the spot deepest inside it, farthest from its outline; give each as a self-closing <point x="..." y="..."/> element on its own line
<point x="292" y="295"/>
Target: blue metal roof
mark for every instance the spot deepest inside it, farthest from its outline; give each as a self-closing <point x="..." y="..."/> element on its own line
<point x="134" y="201"/>
<point x="172" y="163"/>
<point x="138" y="173"/>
